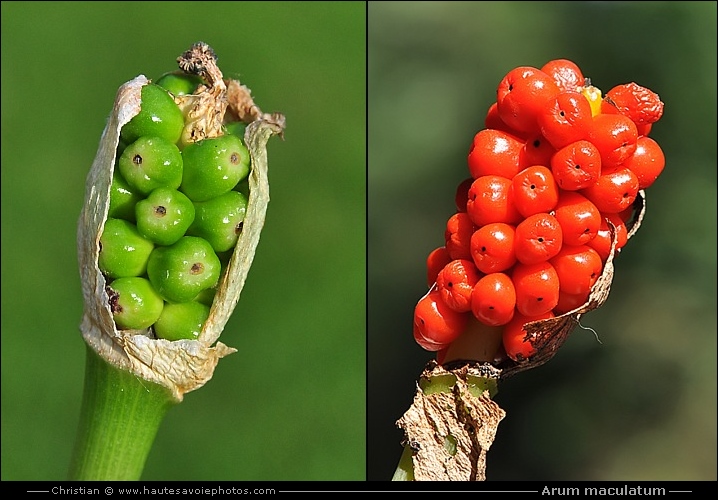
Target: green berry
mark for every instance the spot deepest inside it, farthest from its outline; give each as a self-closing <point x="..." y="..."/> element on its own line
<point x="213" y="167"/>
<point x="122" y="199"/>
<point x="134" y="303"/>
<point x="123" y="250"/>
<point x="164" y="216"/>
<point x="149" y="163"/>
<point x="206" y="296"/>
<point x="179" y="272"/>
<point x="181" y="321"/>
<point x="159" y="116"/>
<point x="179" y="83"/>
<point x="219" y="220"/>
<point x="236" y="128"/>
<point x="243" y="187"/>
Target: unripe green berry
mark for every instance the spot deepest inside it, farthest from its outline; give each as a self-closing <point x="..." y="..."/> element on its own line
<point x="134" y="303"/>
<point x="219" y="220"/>
<point x="164" y="216"/>
<point x="150" y="163"/>
<point x="206" y="296"/>
<point x="159" y="116"/>
<point x="236" y="128"/>
<point x="179" y="272"/>
<point x="179" y="83"/>
<point x="183" y="320"/>
<point x="212" y="167"/>
<point x="243" y="187"/>
<point x="122" y="199"/>
<point x="123" y="250"/>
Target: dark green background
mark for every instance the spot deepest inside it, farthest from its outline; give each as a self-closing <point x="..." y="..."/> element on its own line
<point x="641" y="405"/>
<point x="290" y="405"/>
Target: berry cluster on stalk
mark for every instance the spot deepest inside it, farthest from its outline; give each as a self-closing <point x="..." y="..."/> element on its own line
<point x="553" y="179"/>
<point x="175" y="213"/>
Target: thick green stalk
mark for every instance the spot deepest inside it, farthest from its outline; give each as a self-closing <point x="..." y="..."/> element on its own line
<point x="119" y="420"/>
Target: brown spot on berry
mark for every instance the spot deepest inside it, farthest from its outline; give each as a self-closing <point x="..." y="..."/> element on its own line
<point x="238" y="227"/>
<point x="234" y="159"/>
<point x="160" y="211"/>
<point x="137" y="159"/>
<point x="197" y="268"/>
<point x="114" y="300"/>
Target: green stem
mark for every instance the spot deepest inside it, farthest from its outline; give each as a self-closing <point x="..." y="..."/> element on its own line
<point x="119" y="420"/>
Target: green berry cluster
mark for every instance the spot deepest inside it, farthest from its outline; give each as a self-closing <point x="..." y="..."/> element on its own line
<point x="175" y="214"/>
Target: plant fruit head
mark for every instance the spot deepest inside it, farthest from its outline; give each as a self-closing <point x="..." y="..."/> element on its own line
<point x="554" y="176"/>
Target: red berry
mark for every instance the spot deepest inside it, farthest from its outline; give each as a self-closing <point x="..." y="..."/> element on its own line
<point x="522" y="94"/>
<point x="455" y="282"/>
<point x="494" y="121"/>
<point x="536" y="151"/>
<point x="578" y="268"/>
<point x="614" y="191"/>
<point x="640" y="104"/>
<point x="576" y="166"/>
<point x="566" y="74"/>
<point x="436" y="325"/>
<point x="538" y="238"/>
<point x="492" y="247"/>
<point x="462" y="194"/>
<point x="490" y="200"/>
<point x="602" y="242"/>
<point x="517" y="342"/>
<point x="568" y="302"/>
<point x="457" y="236"/>
<point x="493" y="300"/>
<point x="647" y="162"/>
<point x="615" y="138"/>
<point x="567" y="119"/>
<point x="435" y="262"/>
<point x="578" y="216"/>
<point x="534" y="191"/>
<point x="494" y="152"/>
<point x="537" y="288"/>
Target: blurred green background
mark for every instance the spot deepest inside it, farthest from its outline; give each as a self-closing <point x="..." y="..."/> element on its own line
<point x="640" y="405"/>
<point x="291" y="404"/>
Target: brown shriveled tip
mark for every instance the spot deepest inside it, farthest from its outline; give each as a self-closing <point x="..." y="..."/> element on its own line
<point x="198" y="60"/>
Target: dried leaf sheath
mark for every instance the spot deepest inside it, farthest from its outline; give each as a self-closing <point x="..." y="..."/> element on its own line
<point x="185" y="365"/>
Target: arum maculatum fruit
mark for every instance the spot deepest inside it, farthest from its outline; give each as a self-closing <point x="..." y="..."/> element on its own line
<point x="179" y="181"/>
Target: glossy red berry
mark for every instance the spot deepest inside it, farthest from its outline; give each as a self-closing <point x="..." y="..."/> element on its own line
<point x="435" y="262"/>
<point x="568" y="302"/>
<point x="457" y="237"/>
<point x="538" y="238"/>
<point x="534" y="190"/>
<point x="435" y="324"/>
<point x="494" y="152"/>
<point x="615" y="138"/>
<point x="490" y="200"/>
<point x="536" y="151"/>
<point x="565" y="73"/>
<point x="566" y="119"/>
<point x="576" y="166"/>
<point x="455" y="283"/>
<point x="578" y="268"/>
<point x="602" y="242"/>
<point x="522" y="94"/>
<point x="492" y="247"/>
<point x="579" y="218"/>
<point x="614" y="191"/>
<point x="647" y="162"/>
<point x="494" y="121"/>
<point x="462" y="194"/>
<point x="493" y="300"/>
<point x="537" y="288"/>
<point x="516" y="340"/>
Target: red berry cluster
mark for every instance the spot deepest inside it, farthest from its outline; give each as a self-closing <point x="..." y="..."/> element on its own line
<point x="555" y="161"/>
